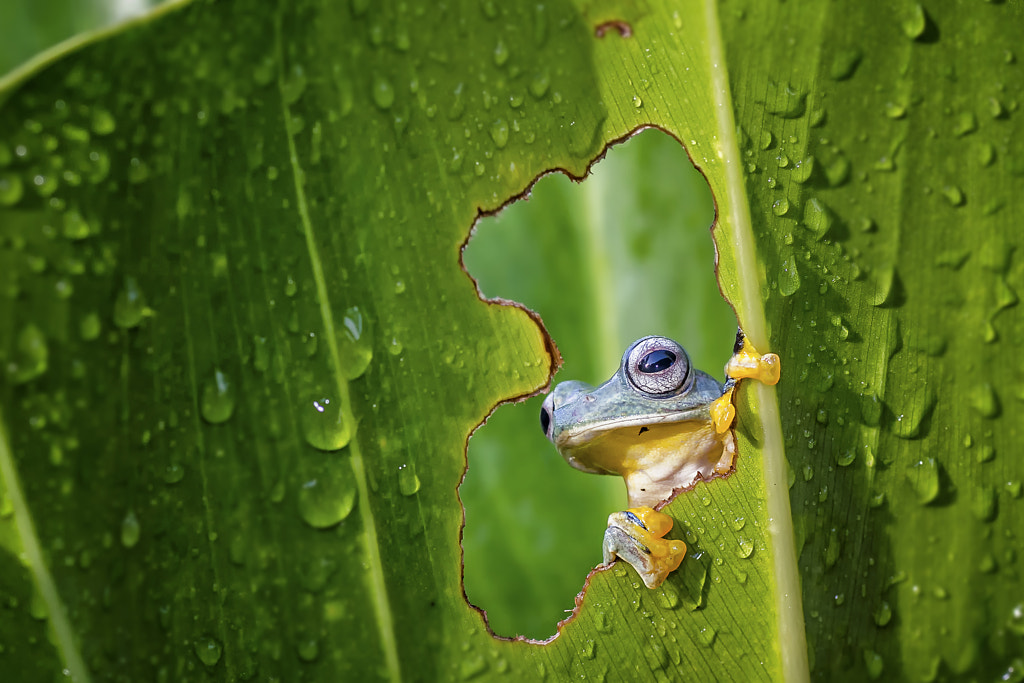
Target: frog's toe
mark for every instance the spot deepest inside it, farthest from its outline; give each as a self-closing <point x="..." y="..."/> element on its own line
<point x="635" y="535"/>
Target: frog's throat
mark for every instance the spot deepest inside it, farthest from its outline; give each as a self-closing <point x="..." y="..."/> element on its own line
<point x="657" y="459"/>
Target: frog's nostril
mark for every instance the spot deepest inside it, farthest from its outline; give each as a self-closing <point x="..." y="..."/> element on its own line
<point x="545" y="419"/>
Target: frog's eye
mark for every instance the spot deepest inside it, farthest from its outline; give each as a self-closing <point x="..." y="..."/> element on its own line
<point x="657" y="365"/>
<point x="545" y="415"/>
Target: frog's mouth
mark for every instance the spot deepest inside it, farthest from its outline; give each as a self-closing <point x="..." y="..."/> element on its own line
<point x="578" y="438"/>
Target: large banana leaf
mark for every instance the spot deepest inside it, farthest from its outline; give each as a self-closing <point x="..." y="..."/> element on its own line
<point x="241" y="360"/>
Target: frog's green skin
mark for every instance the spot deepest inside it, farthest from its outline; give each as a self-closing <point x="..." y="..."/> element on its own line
<point x="653" y="429"/>
<point x="661" y="425"/>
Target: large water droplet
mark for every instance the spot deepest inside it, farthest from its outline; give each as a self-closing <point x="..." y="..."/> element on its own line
<point x="883" y="615"/>
<point x="217" y="402"/>
<point x="383" y="92"/>
<point x="844" y="63"/>
<point x="923" y="477"/>
<point x="984" y="400"/>
<point x="817" y="217"/>
<point x="499" y="133"/>
<point x="355" y="348"/>
<point x="208" y="650"/>
<point x="914" y="22"/>
<point x="983" y="503"/>
<point x="130" y="305"/>
<point x="874" y="664"/>
<point x="31" y="355"/>
<point x="833" y="549"/>
<point x="130" y="530"/>
<point x="324" y="425"/>
<point x="789" y="277"/>
<point x="329" y="498"/>
<point x="408" y="482"/>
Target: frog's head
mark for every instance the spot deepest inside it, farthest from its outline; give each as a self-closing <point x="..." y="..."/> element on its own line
<point x="654" y="387"/>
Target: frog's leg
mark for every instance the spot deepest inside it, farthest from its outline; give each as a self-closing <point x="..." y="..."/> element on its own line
<point x="746" y="363"/>
<point x="635" y="535"/>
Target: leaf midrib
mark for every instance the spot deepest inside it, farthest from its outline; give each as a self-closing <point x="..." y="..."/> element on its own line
<point x="789" y="605"/>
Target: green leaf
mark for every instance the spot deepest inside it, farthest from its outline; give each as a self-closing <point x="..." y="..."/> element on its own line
<point x="241" y="362"/>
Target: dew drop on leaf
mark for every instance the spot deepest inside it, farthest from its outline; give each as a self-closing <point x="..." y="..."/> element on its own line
<point x="873" y="663"/>
<point x="383" y="92"/>
<point x="217" y="402"/>
<point x="130" y="305"/>
<point x="329" y="498"/>
<point x="130" y="530"/>
<point x="408" y="482"/>
<point x="923" y="477"/>
<point x="208" y="650"/>
<point x="323" y="424"/>
<point x="355" y="350"/>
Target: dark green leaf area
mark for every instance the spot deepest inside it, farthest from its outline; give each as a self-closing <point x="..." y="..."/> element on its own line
<point x="240" y="358"/>
<point x="888" y="217"/>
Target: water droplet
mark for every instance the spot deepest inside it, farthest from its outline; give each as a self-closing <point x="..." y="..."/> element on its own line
<point x="883" y="615"/>
<point x="355" y="350"/>
<point x="895" y="110"/>
<point x="954" y="195"/>
<point x="984" y="400"/>
<point x="395" y="347"/>
<point x="539" y="84"/>
<point x="500" y="53"/>
<point x="208" y="650"/>
<point x="817" y="217"/>
<point x="11" y="189"/>
<point x="31" y="356"/>
<point x="788" y="103"/>
<point x="130" y="305"/>
<point x="844" y="63"/>
<point x="324" y="425"/>
<point x="383" y="92"/>
<point x="837" y="171"/>
<point x="308" y="649"/>
<point x="966" y="123"/>
<point x="780" y="207"/>
<point x="408" y="482"/>
<point x="846" y="457"/>
<point x="833" y="549"/>
<point x="802" y="170"/>
<point x="983" y="503"/>
<point x="923" y="477"/>
<point x="745" y="547"/>
<point x="173" y="473"/>
<point x="217" y="403"/>
<point x="914" y="22"/>
<point x="789" y="277"/>
<point x="589" y="649"/>
<point x="499" y="133"/>
<point x="329" y="498"/>
<point x="667" y="596"/>
<point x="656" y="656"/>
<point x="882" y="285"/>
<point x="130" y="530"/>
<point x="706" y="635"/>
<point x="874" y="664"/>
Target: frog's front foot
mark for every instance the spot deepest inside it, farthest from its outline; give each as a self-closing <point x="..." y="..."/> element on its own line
<point x="635" y="535"/>
<point x="746" y="363"/>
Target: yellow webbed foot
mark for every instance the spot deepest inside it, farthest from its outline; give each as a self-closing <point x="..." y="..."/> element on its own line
<point x="723" y="412"/>
<point x="747" y="363"/>
<point x="635" y="535"/>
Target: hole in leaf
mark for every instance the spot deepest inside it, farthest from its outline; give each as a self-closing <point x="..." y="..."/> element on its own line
<point x="623" y="254"/>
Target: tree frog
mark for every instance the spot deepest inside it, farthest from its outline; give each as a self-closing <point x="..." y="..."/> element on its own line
<point x="662" y="426"/>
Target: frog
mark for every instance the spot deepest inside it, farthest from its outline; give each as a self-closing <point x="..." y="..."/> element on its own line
<point x="663" y="426"/>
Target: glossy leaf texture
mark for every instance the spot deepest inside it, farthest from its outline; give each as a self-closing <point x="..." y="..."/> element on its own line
<point x="241" y="360"/>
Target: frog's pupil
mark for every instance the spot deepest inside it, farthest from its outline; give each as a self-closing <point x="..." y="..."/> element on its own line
<point x="545" y="420"/>
<point x="656" y="361"/>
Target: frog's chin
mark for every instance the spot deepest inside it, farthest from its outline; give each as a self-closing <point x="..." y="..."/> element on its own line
<point x="585" y="468"/>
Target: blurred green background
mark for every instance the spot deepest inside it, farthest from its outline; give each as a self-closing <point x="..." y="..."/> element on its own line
<point x="534" y="524"/>
<point x="28" y="27"/>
